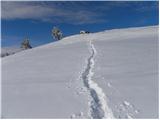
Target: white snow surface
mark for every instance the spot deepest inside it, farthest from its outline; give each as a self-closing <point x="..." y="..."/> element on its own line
<point x="6" y="51"/>
<point x="110" y="74"/>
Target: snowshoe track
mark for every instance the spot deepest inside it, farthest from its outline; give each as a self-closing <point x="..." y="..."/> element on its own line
<point x="97" y="102"/>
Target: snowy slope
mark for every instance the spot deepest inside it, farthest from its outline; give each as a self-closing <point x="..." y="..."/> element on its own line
<point x="6" y="51"/>
<point x="110" y="74"/>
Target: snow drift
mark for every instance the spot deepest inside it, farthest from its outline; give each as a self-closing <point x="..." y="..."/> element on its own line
<point x="110" y="74"/>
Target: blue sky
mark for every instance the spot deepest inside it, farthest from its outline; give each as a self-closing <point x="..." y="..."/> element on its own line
<point x="36" y="19"/>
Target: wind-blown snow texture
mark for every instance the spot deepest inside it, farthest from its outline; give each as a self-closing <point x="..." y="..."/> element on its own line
<point x="110" y="74"/>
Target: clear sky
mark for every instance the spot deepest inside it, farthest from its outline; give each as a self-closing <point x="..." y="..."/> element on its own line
<point x="36" y="19"/>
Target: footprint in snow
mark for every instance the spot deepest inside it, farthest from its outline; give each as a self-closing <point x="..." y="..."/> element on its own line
<point x="78" y="115"/>
<point x="109" y="85"/>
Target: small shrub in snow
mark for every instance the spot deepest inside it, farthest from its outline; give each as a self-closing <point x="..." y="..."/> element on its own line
<point x="25" y="44"/>
<point x="56" y="33"/>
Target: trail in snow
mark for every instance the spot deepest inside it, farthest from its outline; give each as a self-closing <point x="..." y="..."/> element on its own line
<point x="98" y="104"/>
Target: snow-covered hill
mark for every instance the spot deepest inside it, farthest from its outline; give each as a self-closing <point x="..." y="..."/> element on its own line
<point x="110" y="74"/>
<point x="6" y="51"/>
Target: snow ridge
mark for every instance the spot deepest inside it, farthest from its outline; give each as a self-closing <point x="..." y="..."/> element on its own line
<point x="98" y="104"/>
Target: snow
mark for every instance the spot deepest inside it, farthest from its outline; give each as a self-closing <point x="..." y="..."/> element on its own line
<point x="6" y="51"/>
<point x="43" y="82"/>
<point x="110" y="74"/>
<point x="98" y="102"/>
<point x="130" y="65"/>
